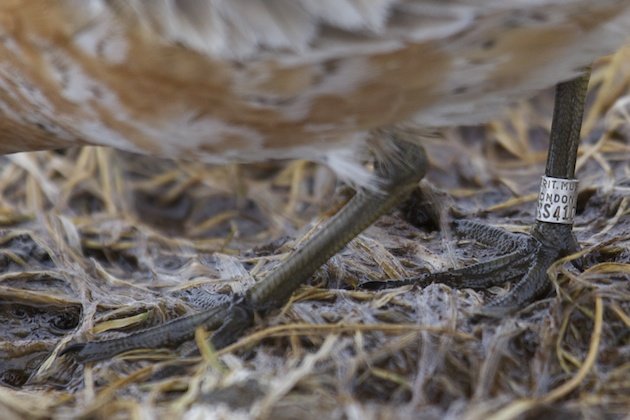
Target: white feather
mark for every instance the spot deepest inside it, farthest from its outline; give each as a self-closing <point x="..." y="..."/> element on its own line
<point x="335" y="40"/>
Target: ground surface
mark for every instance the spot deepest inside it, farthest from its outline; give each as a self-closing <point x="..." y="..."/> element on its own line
<point x="95" y="244"/>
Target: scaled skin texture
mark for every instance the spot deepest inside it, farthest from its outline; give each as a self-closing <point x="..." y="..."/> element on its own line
<point x="247" y="80"/>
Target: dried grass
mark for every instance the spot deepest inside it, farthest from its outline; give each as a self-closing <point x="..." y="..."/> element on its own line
<point x="97" y="243"/>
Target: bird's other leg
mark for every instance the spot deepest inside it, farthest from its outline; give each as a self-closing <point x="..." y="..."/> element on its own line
<point x="527" y="258"/>
<point x="398" y="172"/>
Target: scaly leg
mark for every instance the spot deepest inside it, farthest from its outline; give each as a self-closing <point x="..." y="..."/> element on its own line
<point x="399" y="173"/>
<point x="527" y="257"/>
<point x="530" y="255"/>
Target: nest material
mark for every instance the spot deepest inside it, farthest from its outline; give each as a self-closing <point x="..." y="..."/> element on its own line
<point x="98" y="243"/>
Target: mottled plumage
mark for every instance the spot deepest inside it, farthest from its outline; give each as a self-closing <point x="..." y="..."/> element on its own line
<point x="248" y="80"/>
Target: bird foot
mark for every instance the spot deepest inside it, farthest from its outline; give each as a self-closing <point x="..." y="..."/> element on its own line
<point x="398" y="171"/>
<point x="238" y="318"/>
<point x="525" y="259"/>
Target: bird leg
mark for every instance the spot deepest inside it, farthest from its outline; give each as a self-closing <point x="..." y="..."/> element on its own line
<point x="399" y="173"/>
<point x="527" y="258"/>
<point x="551" y="238"/>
